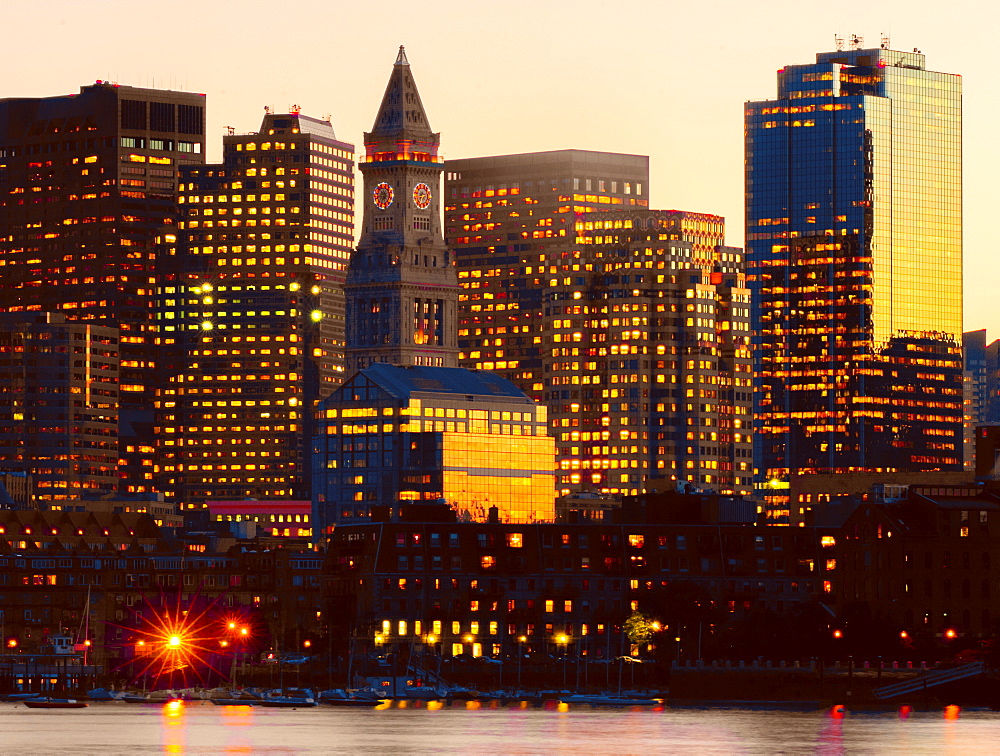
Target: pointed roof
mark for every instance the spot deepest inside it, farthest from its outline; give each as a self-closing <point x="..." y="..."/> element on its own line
<point x="401" y="115"/>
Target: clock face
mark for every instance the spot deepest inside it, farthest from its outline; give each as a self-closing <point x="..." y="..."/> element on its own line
<point x="422" y="196"/>
<point x="382" y="196"/>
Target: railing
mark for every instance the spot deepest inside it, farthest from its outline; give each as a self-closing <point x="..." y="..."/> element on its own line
<point x="930" y="680"/>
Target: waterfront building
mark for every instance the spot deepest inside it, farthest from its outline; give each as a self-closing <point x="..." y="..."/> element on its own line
<point x="493" y="588"/>
<point x="251" y="311"/>
<point x="401" y="287"/>
<point x="138" y="582"/>
<point x="397" y="437"/>
<point x="631" y="325"/>
<point x="278" y="521"/>
<point x="920" y="563"/>
<point x="59" y="408"/>
<point x="87" y="183"/>
<point x="854" y="246"/>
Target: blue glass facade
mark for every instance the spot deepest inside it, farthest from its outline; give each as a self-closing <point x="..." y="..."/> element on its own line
<point x="854" y="248"/>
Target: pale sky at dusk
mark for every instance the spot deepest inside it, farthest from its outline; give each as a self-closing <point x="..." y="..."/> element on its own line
<point x="662" y="79"/>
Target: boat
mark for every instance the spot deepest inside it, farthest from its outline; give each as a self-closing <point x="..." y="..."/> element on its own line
<point x="600" y="700"/>
<point x="135" y="698"/>
<point x="288" y="698"/>
<point x="21" y="696"/>
<point x="235" y="701"/>
<point x="235" y="698"/>
<point x="103" y="694"/>
<point x="360" y="703"/>
<point x="54" y="703"/>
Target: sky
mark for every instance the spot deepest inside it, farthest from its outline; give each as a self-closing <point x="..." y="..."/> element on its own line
<point x="648" y="77"/>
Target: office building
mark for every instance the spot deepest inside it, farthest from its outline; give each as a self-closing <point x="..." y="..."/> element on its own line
<point x="251" y="311"/>
<point x="854" y="237"/>
<point x="87" y="181"/>
<point x="394" y="437"/>
<point x="59" y="405"/>
<point x="629" y="324"/>
<point x="401" y="288"/>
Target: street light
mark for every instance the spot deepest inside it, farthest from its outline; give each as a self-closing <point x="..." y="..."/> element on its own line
<point x="521" y="640"/>
<point x="561" y="640"/>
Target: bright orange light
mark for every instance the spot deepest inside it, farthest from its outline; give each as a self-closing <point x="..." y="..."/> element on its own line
<point x="838" y="633"/>
<point x="469" y="638"/>
<point x="432" y="639"/>
<point x="244" y="631"/>
<point x="562" y="639"/>
<point x="223" y="643"/>
<point x="903" y="634"/>
<point x="522" y="639"/>
<point x="12" y="643"/>
<point x="306" y="643"/>
<point x="950" y="633"/>
<point x="174" y="641"/>
<point x="86" y="642"/>
<point x="232" y="625"/>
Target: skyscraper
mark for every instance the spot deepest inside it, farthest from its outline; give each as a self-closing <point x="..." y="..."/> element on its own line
<point x="401" y="287"/>
<point x="59" y="405"/>
<point x="854" y="236"/>
<point x="87" y="182"/>
<point x="251" y="311"/>
<point x="629" y="324"/>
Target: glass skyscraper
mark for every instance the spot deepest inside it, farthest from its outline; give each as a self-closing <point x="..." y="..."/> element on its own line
<point x="854" y="245"/>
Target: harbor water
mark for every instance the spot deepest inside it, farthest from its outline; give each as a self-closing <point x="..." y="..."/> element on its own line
<point x="474" y="727"/>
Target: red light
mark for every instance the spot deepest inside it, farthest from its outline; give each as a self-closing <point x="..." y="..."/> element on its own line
<point x="903" y="634"/>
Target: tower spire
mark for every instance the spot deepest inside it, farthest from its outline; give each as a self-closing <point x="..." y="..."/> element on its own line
<point x="402" y="288"/>
<point x="401" y="115"/>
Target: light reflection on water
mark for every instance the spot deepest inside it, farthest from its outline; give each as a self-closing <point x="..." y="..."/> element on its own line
<point x="490" y="727"/>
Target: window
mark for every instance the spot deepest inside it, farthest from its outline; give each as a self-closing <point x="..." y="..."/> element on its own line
<point x="515" y="540"/>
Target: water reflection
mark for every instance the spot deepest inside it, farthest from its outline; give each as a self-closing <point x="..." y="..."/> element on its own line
<point x="173" y="726"/>
<point x="460" y="727"/>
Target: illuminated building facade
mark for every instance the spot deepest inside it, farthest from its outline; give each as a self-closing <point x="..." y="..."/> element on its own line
<point x="854" y="235"/>
<point x="394" y="436"/>
<point x="401" y="288"/>
<point x="279" y="521"/>
<point x="251" y="312"/>
<point x="59" y="405"/>
<point x="630" y="325"/>
<point x="87" y="181"/>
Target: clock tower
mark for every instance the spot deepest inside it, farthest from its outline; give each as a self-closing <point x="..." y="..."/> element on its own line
<point x="402" y="287"/>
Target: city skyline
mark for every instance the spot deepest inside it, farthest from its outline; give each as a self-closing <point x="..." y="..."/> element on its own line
<point x="695" y="150"/>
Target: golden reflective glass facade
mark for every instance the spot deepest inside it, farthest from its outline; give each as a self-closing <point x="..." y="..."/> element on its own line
<point x="511" y="473"/>
<point x="393" y="436"/>
<point x="854" y="236"/>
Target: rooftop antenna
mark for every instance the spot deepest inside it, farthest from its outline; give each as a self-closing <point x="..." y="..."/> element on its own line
<point x="267" y="110"/>
<point x="294" y="109"/>
<point x="838" y="42"/>
<point x="857" y="42"/>
<point x="231" y="130"/>
<point x="328" y="117"/>
<point x="885" y="41"/>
